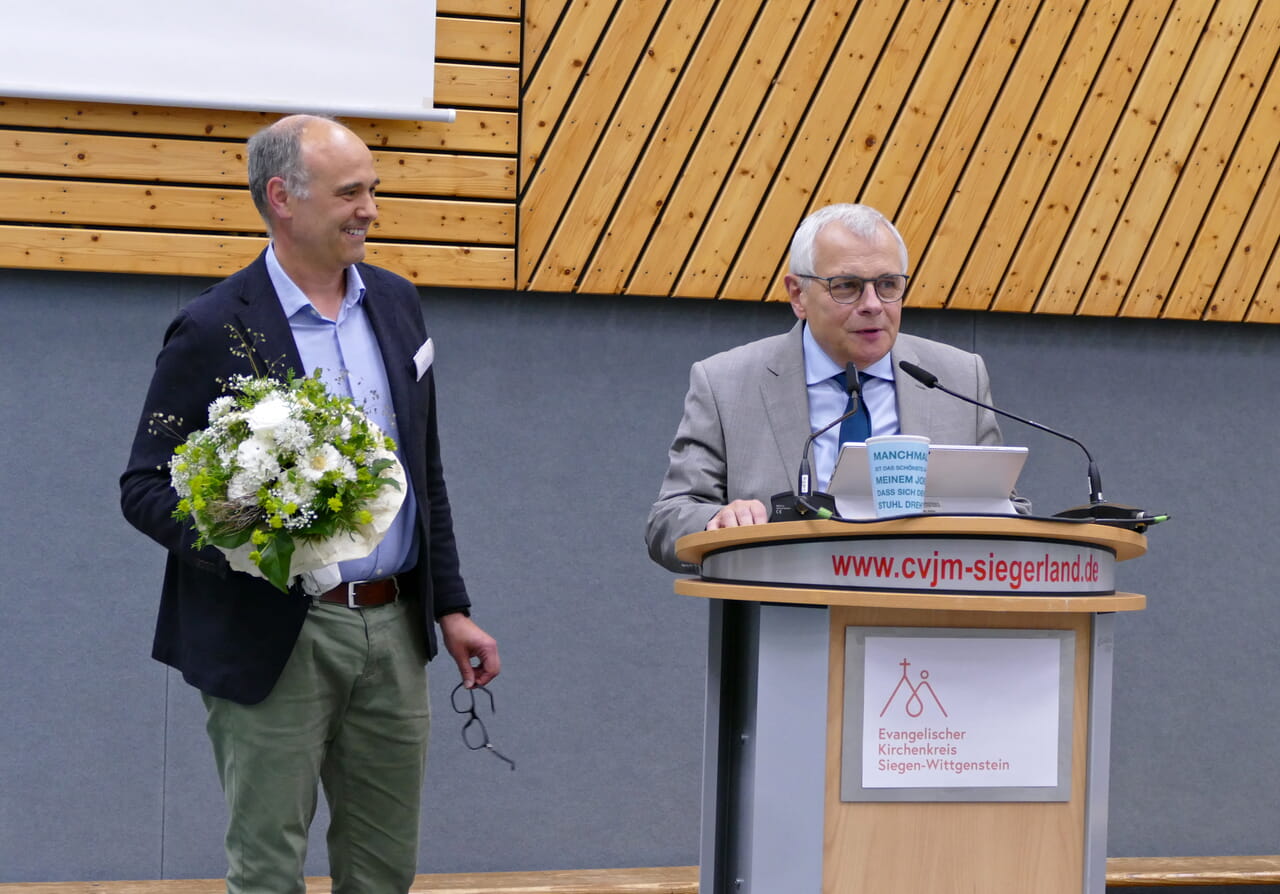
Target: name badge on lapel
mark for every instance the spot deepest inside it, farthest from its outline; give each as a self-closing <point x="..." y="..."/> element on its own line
<point x="423" y="356"/>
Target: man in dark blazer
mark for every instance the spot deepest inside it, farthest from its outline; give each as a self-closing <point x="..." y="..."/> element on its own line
<point x="328" y="681"/>
<point x="749" y="410"/>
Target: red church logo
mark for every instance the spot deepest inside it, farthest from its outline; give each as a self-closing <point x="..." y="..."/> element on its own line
<point x="914" y="693"/>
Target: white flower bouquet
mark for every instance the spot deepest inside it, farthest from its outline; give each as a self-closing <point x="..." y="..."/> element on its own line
<point x="287" y="478"/>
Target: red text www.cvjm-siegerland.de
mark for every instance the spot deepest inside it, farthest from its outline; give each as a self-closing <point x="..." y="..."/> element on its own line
<point x="936" y="569"/>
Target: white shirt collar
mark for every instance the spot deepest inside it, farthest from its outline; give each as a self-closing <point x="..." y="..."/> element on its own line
<point x="819" y="367"/>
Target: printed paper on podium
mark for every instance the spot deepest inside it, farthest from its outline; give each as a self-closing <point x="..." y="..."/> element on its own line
<point x="961" y="479"/>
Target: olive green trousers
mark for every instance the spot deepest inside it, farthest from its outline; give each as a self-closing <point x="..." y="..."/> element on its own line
<point x="350" y="711"/>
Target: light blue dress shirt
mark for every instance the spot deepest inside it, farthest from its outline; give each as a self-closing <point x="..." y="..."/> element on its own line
<point x="346" y="351"/>
<point x="827" y="401"/>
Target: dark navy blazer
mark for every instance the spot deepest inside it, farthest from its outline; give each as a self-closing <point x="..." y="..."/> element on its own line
<point x="229" y="633"/>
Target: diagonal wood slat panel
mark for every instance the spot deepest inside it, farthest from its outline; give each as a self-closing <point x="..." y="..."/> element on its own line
<point x="922" y="158"/>
<point x="817" y="140"/>
<point x="713" y="159"/>
<point x="767" y="149"/>
<point x="1150" y="211"/>
<point x="1130" y="156"/>
<point x="1044" y="156"/>
<point x="621" y="147"/>
<point x="586" y="124"/>
<point x="1265" y="307"/>
<point x="872" y="121"/>
<point x="645" y="195"/>
<point x="953" y="145"/>
<point x="1213" y="284"/>
<point x="1079" y="160"/>
<point x="1011" y="68"/>
<point x="541" y="20"/>
<point x="1202" y="169"/>
<point x="1042" y="150"/>
<point x="1239" y="279"/>
<point x="554" y="80"/>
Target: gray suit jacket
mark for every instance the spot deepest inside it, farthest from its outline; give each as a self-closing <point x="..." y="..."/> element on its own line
<point x="746" y="418"/>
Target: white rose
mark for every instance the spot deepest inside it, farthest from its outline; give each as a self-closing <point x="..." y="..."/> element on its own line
<point x="268" y="415"/>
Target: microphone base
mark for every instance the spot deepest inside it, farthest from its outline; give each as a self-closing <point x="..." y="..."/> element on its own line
<point x="786" y="506"/>
<point x="1117" y="514"/>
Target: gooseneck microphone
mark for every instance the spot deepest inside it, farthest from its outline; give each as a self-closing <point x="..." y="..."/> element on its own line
<point x="1096" y="507"/>
<point x="804" y="502"/>
<point x="853" y="392"/>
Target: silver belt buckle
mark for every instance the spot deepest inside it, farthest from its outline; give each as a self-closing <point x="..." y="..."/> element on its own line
<point x="351" y="593"/>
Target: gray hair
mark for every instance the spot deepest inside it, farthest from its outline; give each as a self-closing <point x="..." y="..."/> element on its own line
<point x="860" y="220"/>
<point x="276" y="151"/>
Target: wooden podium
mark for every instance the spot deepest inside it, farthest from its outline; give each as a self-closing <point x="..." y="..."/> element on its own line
<point x="793" y="800"/>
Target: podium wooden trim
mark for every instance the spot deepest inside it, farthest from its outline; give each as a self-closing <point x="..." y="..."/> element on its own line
<point x="1125" y="543"/>
<point x="772" y="815"/>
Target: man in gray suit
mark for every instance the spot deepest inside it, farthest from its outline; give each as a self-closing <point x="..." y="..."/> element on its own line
<point x="750" y="409"/>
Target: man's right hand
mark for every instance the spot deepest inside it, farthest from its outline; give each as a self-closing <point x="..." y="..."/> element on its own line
<point x="738" y="514"/>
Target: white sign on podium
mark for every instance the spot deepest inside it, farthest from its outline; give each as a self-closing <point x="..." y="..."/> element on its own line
<point x="945" y="714"/>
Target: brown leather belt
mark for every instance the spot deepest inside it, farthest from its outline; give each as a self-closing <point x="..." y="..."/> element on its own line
<point x="363" y="594"/>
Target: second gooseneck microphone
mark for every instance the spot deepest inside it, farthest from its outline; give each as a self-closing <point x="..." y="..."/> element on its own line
<point x="1096" y="508"/>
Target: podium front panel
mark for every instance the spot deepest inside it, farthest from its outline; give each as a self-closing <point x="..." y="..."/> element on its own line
<point x="993" y="847"/>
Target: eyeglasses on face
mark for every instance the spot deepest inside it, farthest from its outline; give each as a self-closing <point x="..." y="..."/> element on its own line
<point x="474" y="734"/>
<point x="890" y="287"/>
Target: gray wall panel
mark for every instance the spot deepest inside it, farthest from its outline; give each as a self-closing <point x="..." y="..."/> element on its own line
<point x="557" y="412"/>
<point x="83" y="732"/>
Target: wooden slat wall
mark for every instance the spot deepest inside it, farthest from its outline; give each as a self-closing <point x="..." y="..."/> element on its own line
<point x="98" y="187"/>
<point x="1099" y="157"/>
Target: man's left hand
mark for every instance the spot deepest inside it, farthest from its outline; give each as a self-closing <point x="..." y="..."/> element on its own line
<point x="464" y="640"/>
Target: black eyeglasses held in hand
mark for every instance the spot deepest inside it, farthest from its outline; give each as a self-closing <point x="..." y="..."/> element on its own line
<point x="474" y="735"/>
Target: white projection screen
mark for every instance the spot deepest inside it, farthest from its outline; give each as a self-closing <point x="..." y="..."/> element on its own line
<point x="372" y="59"/>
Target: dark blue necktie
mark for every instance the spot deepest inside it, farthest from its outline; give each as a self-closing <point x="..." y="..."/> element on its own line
<point x="856" y="428"/>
